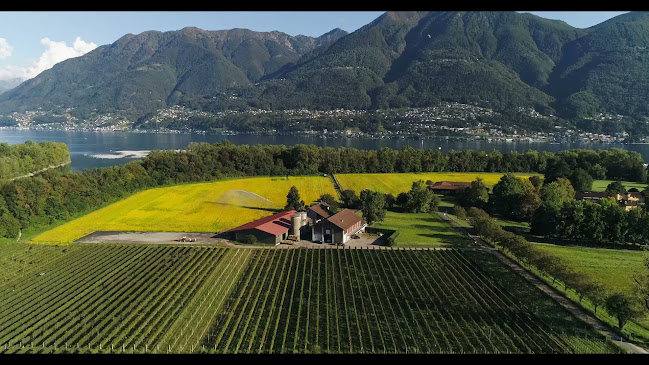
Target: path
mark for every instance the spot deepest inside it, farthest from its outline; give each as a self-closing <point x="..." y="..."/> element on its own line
<point x="571" y="306"/>
<point x="39" y="171"/>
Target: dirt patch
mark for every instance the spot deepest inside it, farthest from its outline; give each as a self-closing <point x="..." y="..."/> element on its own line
<point x="148" y="237"/>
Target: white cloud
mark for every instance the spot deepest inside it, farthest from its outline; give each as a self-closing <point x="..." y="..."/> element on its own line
<point x="5" y="48"/>
<point x="54" y="53"/>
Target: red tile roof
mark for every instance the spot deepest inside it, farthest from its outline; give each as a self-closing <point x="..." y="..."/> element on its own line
<point x="450" y="185"/>
<point x="345" y="218"/>
<point x="276" y="224"/>
<point x="318" y="208"/>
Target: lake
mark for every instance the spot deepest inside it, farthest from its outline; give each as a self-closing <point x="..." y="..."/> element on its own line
<point x="98" y="149"/>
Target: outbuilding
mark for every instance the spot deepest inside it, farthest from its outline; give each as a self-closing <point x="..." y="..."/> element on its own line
<point x="271" y="230"/>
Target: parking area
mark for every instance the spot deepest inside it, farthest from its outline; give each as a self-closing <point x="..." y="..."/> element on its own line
<point x="364" y="240"/>
<point x="149" y="237"/>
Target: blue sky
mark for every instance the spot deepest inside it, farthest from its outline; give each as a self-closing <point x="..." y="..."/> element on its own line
<point x="33" y="41"/>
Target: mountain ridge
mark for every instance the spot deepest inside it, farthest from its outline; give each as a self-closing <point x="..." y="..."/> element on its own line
<point x="500" y="60"/>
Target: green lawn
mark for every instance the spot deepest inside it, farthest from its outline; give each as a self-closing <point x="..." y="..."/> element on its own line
<point x="422" y="230"/>
<point x="600" y="185"/>
<point x="612" y="268"/>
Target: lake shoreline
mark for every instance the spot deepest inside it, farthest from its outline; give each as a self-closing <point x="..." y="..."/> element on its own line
<point x="91" y="149"/>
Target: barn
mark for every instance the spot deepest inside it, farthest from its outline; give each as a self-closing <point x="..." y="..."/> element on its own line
<point x="338" y="227"/>
<point x="271" y="230"/>
<point x="450" y="187"/>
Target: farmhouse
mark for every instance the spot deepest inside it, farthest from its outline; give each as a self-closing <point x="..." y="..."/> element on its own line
<point x="338" y="227"/>
<point x="626" y="199"/>
<point x="449" y="187"/>
<point x="593" y="196"/>
<point x="272" y="229"/>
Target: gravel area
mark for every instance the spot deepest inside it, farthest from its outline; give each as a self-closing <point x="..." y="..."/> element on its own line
<point x="148" y="237"/>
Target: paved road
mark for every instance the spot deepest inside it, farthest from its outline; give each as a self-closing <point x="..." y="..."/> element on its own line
<point x="575" y="309"/>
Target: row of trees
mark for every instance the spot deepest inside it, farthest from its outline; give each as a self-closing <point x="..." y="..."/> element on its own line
<point x="21" y="159"/>
<point x="622" y="306"/>
<point x="202" y="160"/>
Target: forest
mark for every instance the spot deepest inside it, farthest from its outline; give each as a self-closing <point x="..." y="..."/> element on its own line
<point x="21" y="159"/>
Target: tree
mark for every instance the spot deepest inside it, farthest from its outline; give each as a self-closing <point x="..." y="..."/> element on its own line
<point x="293" y="200"/>
<point x="372" y="205"/>
<point x="402" y="199"/>
<point x="622" y="308"/>
<point x="349" y="199"/>
<point x="597" y="294"/>
<point x="507" y="194"/>
<point x="420" y="199"/>
<point x="476" y="195"/>
<point x="529" y="201"/>
<point x="554" y="194"/>
<point x="516" y="198"/>
<point x="581" y="180"/>
<point x="390" y="200"/>
<point x="9" y="226"/>
<point x="329" y="199"/>
<point x="459" y="212"/>
<point x="536" y="181"/>
<point x="614" y="218"/>
<point x="615" y="187"/>
<point x="556" y="168"/>
<point x="251" y="239"/>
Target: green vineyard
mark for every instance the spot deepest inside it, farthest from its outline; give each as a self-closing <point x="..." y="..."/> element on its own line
<point x="191" y="299"/>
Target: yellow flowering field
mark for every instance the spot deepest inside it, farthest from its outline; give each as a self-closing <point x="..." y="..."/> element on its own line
<point x="401" y="182"/>
<point x="202" y="207"/>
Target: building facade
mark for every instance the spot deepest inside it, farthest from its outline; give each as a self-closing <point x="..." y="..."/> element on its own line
<point x="338" y="228"/>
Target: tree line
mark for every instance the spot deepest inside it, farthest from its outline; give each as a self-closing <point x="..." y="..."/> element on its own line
<point x="22" y="159"/>
<point x="56" y="195"/>
<point x="622" y="306"/>
<point x="202" y="160"/>
<point x="553" y="211"/>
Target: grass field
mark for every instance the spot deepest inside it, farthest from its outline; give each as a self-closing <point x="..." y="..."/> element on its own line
<point x="612" y="268"/>
<point x="422" y="230"/>
<point x="402" y="182"/>
<point x="183" y="299"/>
<point x="600" y="185"/>
<point x="204" y="207"/>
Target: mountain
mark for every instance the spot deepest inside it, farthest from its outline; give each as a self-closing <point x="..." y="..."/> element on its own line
<point x="6" y="85"/>
<point x="501" y="60"/>
<point x="606" y="70"/>
<point x="142" y="73"/>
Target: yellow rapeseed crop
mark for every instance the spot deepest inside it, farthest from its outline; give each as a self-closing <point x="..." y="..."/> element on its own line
<point x="204" y="207"/>
<point x="400" y="182"/>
